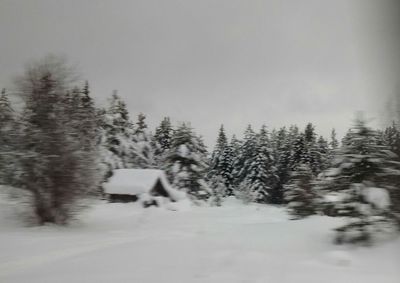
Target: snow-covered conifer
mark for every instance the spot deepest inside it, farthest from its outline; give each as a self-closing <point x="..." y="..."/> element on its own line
<point x="333" y="144"/>
<point x="360" y="178"/>
<point x="163" y="135"/>
<point x="116" y="135"/>
<point x="186" y="163"/>
<point x="161" y="142"/>
<point x="222" y="142"/>
<point x="299" y="194"/>
<point x="222" y="162"/>
<point x="282" y="162"/>
<point x="261" y="172"/>
<point x="245" y="156"/>
<point x="7" y="139"/>
<point x="143" y="153"/>
<point x="391" y="137"/>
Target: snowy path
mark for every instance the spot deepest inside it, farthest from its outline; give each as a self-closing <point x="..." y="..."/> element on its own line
<point x="235" y="243"/>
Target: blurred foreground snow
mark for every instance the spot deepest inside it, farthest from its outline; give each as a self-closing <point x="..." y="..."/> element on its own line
<point x="232" y="243"/>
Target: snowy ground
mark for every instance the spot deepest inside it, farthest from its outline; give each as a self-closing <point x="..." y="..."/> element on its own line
<point x="234" y="243"/>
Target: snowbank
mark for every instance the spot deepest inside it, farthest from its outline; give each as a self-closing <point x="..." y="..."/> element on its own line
<point x="377" y="196"/>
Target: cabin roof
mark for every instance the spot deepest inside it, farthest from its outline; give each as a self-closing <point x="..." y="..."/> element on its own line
<point x="137" y="182"/>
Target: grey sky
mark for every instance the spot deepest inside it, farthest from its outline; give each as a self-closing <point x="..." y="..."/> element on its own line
<point x="216" y="61"/>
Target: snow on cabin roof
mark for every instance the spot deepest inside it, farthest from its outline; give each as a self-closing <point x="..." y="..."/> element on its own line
<point x="138" y="181"/>
<point x="132" y="181"/>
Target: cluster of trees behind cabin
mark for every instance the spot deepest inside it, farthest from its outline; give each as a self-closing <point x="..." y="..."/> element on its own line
<point x="60" y="148"/>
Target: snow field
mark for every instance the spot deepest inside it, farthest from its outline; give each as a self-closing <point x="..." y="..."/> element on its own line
<point x="232" y="243"/>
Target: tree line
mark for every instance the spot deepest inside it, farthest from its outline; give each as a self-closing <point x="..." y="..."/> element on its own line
<point x="60" y="148"/>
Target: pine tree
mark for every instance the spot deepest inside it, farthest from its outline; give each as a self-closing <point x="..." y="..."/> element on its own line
<point x="186" y="163"/>
<point x="323" y="155"/>
<point x="362" y="168"/>
<point x="311" y="154"/>
<point x="299" y="151"/>
<point x="81" y="107"/>
<point x="334" y="144"/>
<point x="260" y="173"/>
<point x="235" y="146"/>
<point x="283" y="159"/>
<point x="299" y="194"/>
<point x="226" y="169"/>
<point x="391" y="137"/>
<point x="116" y="136"/>
<point x="7" y="139"/>
<point x="161" y="141"/>
<point x="254" y="166"/>
<point x="246" y="155"/>
<point x="222" y="142"/>
<point x="163" y="135"/>
<point x="141" y="125"/>
<point x="221" y="162"/>
<point x="309" y="134"/>
<point x="143" y="152"/>
<point x="6" y="111"/>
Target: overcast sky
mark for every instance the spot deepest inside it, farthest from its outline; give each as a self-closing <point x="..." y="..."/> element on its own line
<point x="217" y="61"/>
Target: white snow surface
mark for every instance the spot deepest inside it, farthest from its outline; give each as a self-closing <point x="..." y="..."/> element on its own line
<point x="138" y="182"/>
<point x="378" y="196"/>
<point x="234" y="243"/>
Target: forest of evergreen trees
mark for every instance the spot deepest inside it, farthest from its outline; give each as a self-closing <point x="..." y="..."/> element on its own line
<point x="60" y="148"/>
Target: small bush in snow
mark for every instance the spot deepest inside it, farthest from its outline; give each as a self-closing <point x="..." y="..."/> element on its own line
<point x="218" y="190"/>
<point x="299" y="193"/>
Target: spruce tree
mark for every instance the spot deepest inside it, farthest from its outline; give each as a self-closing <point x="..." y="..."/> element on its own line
<point x="235" y="146"/>
<point x="260" y="172"/>
<point x="116" y="136"/>
<point x="323" y="155"/>
<point x="362" y="171"/>
<point x="143" y="152"/>
<point x="81" y="108"/>
<point x="222" y="142"/>
<point x="333" y="144"/>
<point x="226" y="169"/>
<point x="141" y="125"/>
<point x="221" y="162"/>
<point x="391" y="137"/>
<point x="299" y="151"/>
<point x="311" y="154"/>
<point x="283" y="159"/>
<point x="246" y="155"/>
<point x="309" y="134"/>
<point x="163" y="135"/>
<point x="6" y="111"/>
<point x="8" y="130"/>
<point x="161" y="141"/>
<point x="186" y="163"/>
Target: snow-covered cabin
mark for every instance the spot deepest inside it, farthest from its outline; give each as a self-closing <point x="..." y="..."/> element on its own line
<point x="147" y="185"/>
